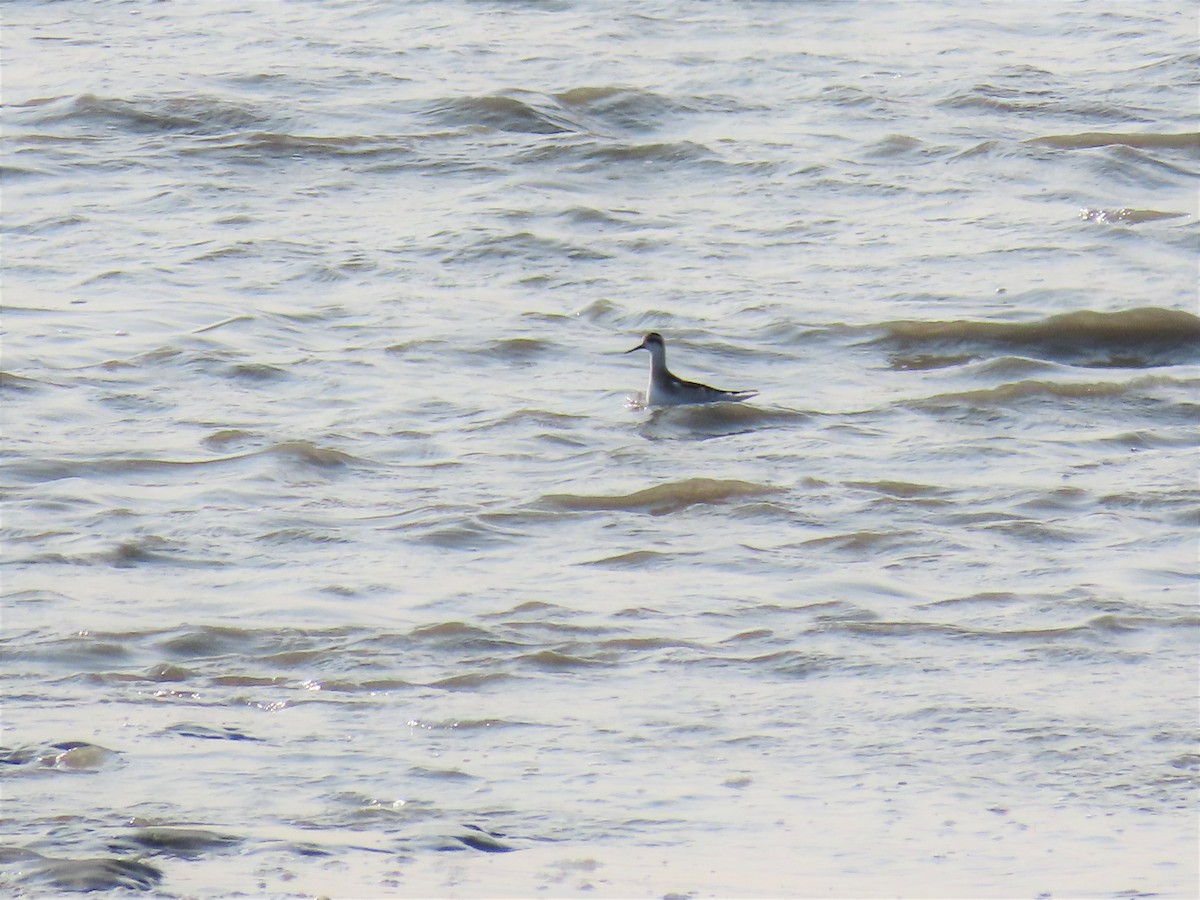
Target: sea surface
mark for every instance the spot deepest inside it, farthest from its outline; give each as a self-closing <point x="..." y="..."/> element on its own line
<point x="339" y="558"/>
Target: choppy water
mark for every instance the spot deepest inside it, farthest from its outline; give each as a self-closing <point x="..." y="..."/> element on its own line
<point x="336" y="563"/>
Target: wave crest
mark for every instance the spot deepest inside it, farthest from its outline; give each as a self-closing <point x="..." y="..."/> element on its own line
<point x="1135" y="338"/>
<point x="663" y="498"/>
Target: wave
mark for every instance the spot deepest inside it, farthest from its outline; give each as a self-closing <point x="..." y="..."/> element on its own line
<point x="627" y="109"/>
<point x="903" y="490"/>
<point x="1101" y="627"/>
<point x="655" y="152"/>
<point x="101" y="873"/>
<point x="1140" y="159"/>
<point x="1017" y="391"/>
<point x="901" y="146"/>
<point x="143" y="551"/>
<point x="663" y="498"/>
<point x="184" y="843"/>
<point x="1088" y="139"/>
<point x="215" y="126"/>
<point x="851" y="96"/>
<point x="73" y="756"/>
<point x="586" y="128"/>
<point x="19" y="384"/>
<point x="182" y="113"/>
<point x="1135" y="338"/>
<point x="1126" y="216"/>
<point x="520" y="112"/>
<point x="635" y="559"/>
<point x="594" y="110"/>
<point x="523" y="245"/>
<point x="255" y="145"/>
<point x="251" y="132"/>
<point x="1034" y="101"/>
<point x="303" y="453"/>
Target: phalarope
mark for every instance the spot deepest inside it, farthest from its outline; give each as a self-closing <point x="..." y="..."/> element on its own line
<point x="668" y="390"/>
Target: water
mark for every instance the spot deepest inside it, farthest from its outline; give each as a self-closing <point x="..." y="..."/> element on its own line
<point x="335" y="562"/>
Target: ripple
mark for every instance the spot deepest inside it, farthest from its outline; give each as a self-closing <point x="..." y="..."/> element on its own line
<point x="664" y="498"/>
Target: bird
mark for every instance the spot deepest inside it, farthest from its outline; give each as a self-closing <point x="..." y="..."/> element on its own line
<point x="668" y="390"/>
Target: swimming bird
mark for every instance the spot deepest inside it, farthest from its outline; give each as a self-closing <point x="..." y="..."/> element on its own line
<point x="668" y="390"/>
